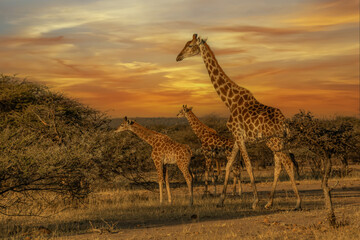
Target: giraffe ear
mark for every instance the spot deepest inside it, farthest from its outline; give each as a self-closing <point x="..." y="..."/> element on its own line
<point x="131" y="122"/>
<point x="190" y="108"/>
<point x="203" y="40"/>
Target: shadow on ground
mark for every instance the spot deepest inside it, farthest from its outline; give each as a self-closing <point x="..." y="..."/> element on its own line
<point x="231" y="210"/>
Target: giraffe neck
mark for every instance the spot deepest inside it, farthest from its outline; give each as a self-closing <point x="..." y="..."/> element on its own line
<point x="145" y="134"/>
<point x="230" y="93"/>
<point x="197" y="126"/>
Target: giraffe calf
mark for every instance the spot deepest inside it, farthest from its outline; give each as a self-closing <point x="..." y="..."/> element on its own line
<point x="212" y="146"/>
<point x="164" y="151"/>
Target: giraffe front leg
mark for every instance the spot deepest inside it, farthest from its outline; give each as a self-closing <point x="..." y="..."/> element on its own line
<point x="207" y="169"/>
<point x="167" y="184"/>
<point x="227" y="172"/>
<point x="160" y="173"/>
<point x="190" y="187"/>
<point x="213" y="178"/>
<point x="161" y="191"/>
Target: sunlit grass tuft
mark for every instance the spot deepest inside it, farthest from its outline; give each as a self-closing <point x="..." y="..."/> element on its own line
<point x="114" y="210"/>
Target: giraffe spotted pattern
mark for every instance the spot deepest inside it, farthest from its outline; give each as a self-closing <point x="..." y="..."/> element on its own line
<point x="249" y="120"/>
<point x="164" y="151"/>
<point x="212" y="146"/>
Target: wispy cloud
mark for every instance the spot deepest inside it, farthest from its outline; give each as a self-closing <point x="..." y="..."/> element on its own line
<point x="119" y="56"/>
<point x="327" y="12"/>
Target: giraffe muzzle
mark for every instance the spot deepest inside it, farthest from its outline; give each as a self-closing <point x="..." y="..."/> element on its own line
<point x="179" y="58"/>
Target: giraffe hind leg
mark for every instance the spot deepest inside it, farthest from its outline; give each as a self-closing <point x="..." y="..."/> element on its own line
<point x="229" y="163"/>
<point x="277" y="171"/>
<point x="282" y="158"/>
<point x="188" y="178"/>
<point x="289" y="167"/>
<point x="250" y="171"/>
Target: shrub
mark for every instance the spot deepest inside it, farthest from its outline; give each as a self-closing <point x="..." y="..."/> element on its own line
<point x="47" y="146"/>
<point x="324" y="139"/>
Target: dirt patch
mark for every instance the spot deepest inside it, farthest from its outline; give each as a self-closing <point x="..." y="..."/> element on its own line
<point x="278" y="223"/>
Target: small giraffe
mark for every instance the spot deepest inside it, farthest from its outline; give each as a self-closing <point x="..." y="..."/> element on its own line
<point x="164" y="151"/>
<point x="249" y="120"/>
<point x="212" y="144"/>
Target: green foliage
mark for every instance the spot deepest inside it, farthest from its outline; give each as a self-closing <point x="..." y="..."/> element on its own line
<point x="325" y="139"/>
<point x="317" y="139"/>
<point x="54" y="149"/>
<point x="128" y="156"/>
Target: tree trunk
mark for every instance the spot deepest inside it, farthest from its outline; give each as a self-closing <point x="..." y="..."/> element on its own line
<point x="327" y="192"/>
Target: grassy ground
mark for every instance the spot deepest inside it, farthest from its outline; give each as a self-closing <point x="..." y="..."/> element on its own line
<point x="136" y="214"/>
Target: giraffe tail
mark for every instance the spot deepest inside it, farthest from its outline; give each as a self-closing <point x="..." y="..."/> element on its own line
<point x="296" y="165"/>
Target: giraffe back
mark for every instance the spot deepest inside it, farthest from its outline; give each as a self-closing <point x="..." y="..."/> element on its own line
<point x="215" y="142"/>
<point x="249" y="118"/>
<point x="256" y="120"/>
<point x="170" y="151"/>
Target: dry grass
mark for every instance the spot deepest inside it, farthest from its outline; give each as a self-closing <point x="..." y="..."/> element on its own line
<point x="113" y="212"/>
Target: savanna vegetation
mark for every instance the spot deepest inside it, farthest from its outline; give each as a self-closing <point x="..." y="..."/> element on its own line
<point x="61" y="161"/>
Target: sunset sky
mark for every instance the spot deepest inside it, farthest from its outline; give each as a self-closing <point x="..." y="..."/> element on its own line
<point x="119" y="56"/>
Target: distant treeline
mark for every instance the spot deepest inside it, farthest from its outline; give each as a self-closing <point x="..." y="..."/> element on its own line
<point x="148" y="122"/>
<point x="168" y="122"/>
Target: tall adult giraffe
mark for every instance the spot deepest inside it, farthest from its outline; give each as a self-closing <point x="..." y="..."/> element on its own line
<point x="249" y="120"/>
<point x="164" y="151"/>
<point x="212" y="146"/>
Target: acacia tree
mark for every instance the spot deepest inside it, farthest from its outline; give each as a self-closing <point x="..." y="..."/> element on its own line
<point x="54" y="151"/>
<point x="325" y="140"/>
<point x="46" y="147"/>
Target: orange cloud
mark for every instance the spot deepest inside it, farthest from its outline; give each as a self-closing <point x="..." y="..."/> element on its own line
<point x="257" y="29"/>
<point x="121" y="57"/>
<point x="16" y="41"/>
<point x="329" y="12"/>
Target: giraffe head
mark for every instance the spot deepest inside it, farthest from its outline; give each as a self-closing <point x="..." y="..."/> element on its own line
<point x="191" y="48"/>
<point x="126" y="125"/>
<point x="183" y="111"/>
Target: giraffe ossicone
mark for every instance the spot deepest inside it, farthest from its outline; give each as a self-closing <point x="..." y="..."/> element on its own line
<point x="164" y="151"/>
<point x="249" y="120"/>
